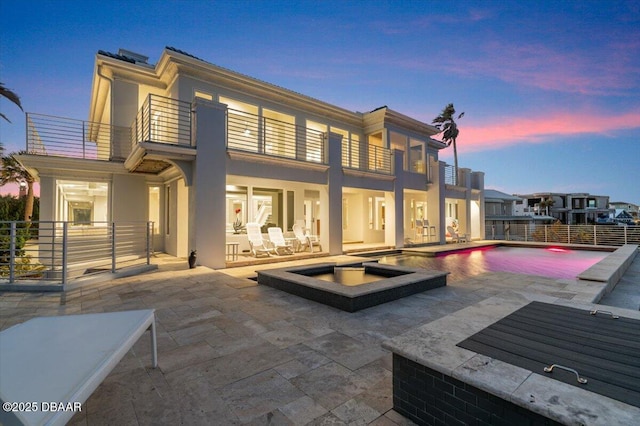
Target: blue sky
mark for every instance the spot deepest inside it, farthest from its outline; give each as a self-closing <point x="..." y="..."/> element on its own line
<point x="550" y="89"/>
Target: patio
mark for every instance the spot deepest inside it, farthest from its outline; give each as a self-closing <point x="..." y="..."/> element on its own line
<point x="240" y="353"/>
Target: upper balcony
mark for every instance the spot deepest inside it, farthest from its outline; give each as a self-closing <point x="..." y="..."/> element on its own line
<point x="458" y="178"/>
<point x="69" y="138"/>
<point x="163" y="131"/>
<point x="266" y="139"/>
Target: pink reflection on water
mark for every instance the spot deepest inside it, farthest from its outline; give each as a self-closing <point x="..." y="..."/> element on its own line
<point x="530" y="261"/>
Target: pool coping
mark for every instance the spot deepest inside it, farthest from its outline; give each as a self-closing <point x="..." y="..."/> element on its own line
<point x="610" y="269"/>
<point x="352" y="298"/>
<point x="433" y="345"/>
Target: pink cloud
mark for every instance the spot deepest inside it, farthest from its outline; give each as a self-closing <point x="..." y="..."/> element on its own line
<point x="541" y="129"/>
<point x="609" y="71"/>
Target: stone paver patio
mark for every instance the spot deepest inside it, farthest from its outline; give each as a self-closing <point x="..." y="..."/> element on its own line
<point x="233" y="352"/>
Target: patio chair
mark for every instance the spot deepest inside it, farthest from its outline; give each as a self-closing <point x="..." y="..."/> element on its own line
<point x="256" y="243"/>
<point x="280" y="245"/>
<point x="303" y="235"/>
<point x="303" y="240"/>
<point x="457" y="237"/>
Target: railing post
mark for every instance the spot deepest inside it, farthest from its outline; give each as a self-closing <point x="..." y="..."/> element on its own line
<point x="84" y="154"/>
<point x="149" y="234"/>
<point x="113" y="247"/>
<point x="148" y="118"/>
<point x="568" y="234"/>
<point x="65" y="228"/>
<point x="625" y="233"/>
<point x="12" y="254"/>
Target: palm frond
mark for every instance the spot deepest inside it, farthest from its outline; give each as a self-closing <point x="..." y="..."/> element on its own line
<point x="9" y="94"/>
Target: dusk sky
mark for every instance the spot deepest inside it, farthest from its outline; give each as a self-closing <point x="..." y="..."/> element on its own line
<point x="550" y="89"/>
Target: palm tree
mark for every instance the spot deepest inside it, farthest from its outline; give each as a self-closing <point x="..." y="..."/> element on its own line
<point x="13" y="172"/>
<point x="447" y="125"/>
<point x="7" y="93"/>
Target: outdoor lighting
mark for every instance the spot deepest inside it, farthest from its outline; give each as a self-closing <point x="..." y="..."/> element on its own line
<point x="558" y="250"/>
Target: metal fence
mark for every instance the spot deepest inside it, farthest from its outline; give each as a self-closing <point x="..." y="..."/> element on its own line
<point x="252" y="133"/>
<point x="57" y="252"/>
<point x="609" y="235"/>
<point x="66" y="137"/>
<point x="162" y="120"/>
<point x="450" y="175"/>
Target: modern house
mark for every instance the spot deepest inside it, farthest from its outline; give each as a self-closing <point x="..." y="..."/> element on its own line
<point x="570" y="209"/>
<point x="197" y="148"/>
<point x="504" y="217"/>
<point x="633" y="210"/>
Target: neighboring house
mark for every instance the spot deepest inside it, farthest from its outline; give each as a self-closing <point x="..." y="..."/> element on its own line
<point x="505" y="217"/>
<point x="623" y="216"/>
<point x="632" y="209"/>
<point x="570" y="209"/>
<point x="200" y="150"/>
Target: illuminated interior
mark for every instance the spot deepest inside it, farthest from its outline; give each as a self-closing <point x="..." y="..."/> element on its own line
<point x="83" y="203"/>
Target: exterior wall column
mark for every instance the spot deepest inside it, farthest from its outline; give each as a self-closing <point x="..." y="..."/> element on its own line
<point x="478" y="179"/>
<point x="465" y="177"/>
<point x="207" y="195"/>
<point x="440" y="184"/>
<point x="394" y="234"/>
<point x="333" y="228"/>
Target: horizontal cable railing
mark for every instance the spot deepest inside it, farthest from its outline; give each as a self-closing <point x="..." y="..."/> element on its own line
<point x="252" y="133"/>
<point x="56" y="252"/>
<point x="379" y="159"/>
<point x="66" y="137"/>
<point x="163" y="120"/>
<point x="350" y="153"/>
<point x="450" y="175"/>
<point x="608" y="235"/>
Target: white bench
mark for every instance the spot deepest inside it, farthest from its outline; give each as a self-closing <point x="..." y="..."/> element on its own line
<point x="62" y="360"/>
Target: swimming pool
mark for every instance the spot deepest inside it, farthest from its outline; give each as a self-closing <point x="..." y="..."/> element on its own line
<point x="549" y="262"/>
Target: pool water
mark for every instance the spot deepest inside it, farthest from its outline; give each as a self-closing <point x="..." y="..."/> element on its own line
<point x="550" y="262"/>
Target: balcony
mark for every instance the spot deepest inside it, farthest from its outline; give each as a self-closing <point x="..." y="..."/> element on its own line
<point x="250" y="135"/>
<point x="162" y="130"/>
<point x="64" y="137"/>
<point x="375" y="159"/>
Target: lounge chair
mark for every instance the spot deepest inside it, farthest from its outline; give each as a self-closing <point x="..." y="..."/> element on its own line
<point x="256" y="243"/>
<point x="280" y="245"/>
<point x="303" y="239"/>
<point x="457" y="237"/>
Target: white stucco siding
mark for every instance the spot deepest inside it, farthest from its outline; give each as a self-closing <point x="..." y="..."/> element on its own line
<point x="129" y="198"/>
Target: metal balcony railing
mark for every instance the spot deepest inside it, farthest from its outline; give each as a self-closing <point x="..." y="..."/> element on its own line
<point x="450" y="175"/>
<point x="163" y="120"/>
<point x="379" y="159"/>
<point x="608" y="235"/>
<point x="374" y="159"/>
<point x="350" y="153"/>
<point x="262" y="135"/>
<point x="56" y="252"/>
<point x="66" y="137"/>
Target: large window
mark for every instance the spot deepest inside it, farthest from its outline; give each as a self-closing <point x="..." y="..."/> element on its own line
<point x="416" y="156"/>
<point x="82" y="203"/>
<point x="236" y="208"/>
<point x="279" y="133"/>
<point x="399" y="142"/>
<point x="350" y="148"/>
<point x="242" y="122"/>
<point x="315" y="141"/>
